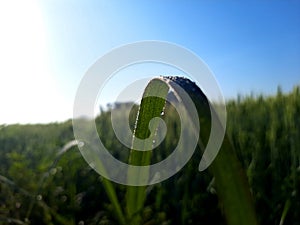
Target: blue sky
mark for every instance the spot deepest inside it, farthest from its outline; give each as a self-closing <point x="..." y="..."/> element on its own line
<point x="49" y="45"/>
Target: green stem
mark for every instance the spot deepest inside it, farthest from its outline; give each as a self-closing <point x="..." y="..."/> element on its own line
<point x="286" y="208"/>
<point x="111" y="193"/>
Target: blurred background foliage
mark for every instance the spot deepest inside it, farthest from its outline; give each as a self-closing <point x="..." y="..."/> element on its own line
<point x="40" y="186"/>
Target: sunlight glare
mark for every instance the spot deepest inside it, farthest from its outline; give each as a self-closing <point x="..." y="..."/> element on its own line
<point x="28" y="91"/>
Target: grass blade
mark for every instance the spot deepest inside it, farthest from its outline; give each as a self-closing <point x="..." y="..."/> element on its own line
<point x="111" y="193"/>
<point x="232" y="185"/>
<point x="231" y="181"/>
<point x="150" y="107"/>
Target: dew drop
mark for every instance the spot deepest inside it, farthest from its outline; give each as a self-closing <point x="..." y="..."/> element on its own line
<point x="39" y="197"/>
<point x="64" y="198"/>
<point x="18" y="205"/>
<point x="92" y="165"/>
<point x="80" y="144"/>
<point x="53" y="171"/>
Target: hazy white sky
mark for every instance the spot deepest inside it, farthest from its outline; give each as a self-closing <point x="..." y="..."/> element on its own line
<point x="29" y="91"/>
<point x="47" y="46"/>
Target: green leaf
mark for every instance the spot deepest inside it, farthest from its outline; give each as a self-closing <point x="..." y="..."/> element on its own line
<point x="232" y="185"/>
<point x="231" y="181"/>
<point x="150" y="107"/>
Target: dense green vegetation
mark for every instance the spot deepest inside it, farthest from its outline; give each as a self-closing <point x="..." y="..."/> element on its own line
<point x="38" y="185"/>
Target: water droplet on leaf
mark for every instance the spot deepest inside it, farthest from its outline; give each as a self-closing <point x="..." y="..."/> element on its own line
<point x="80" y="144"/>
